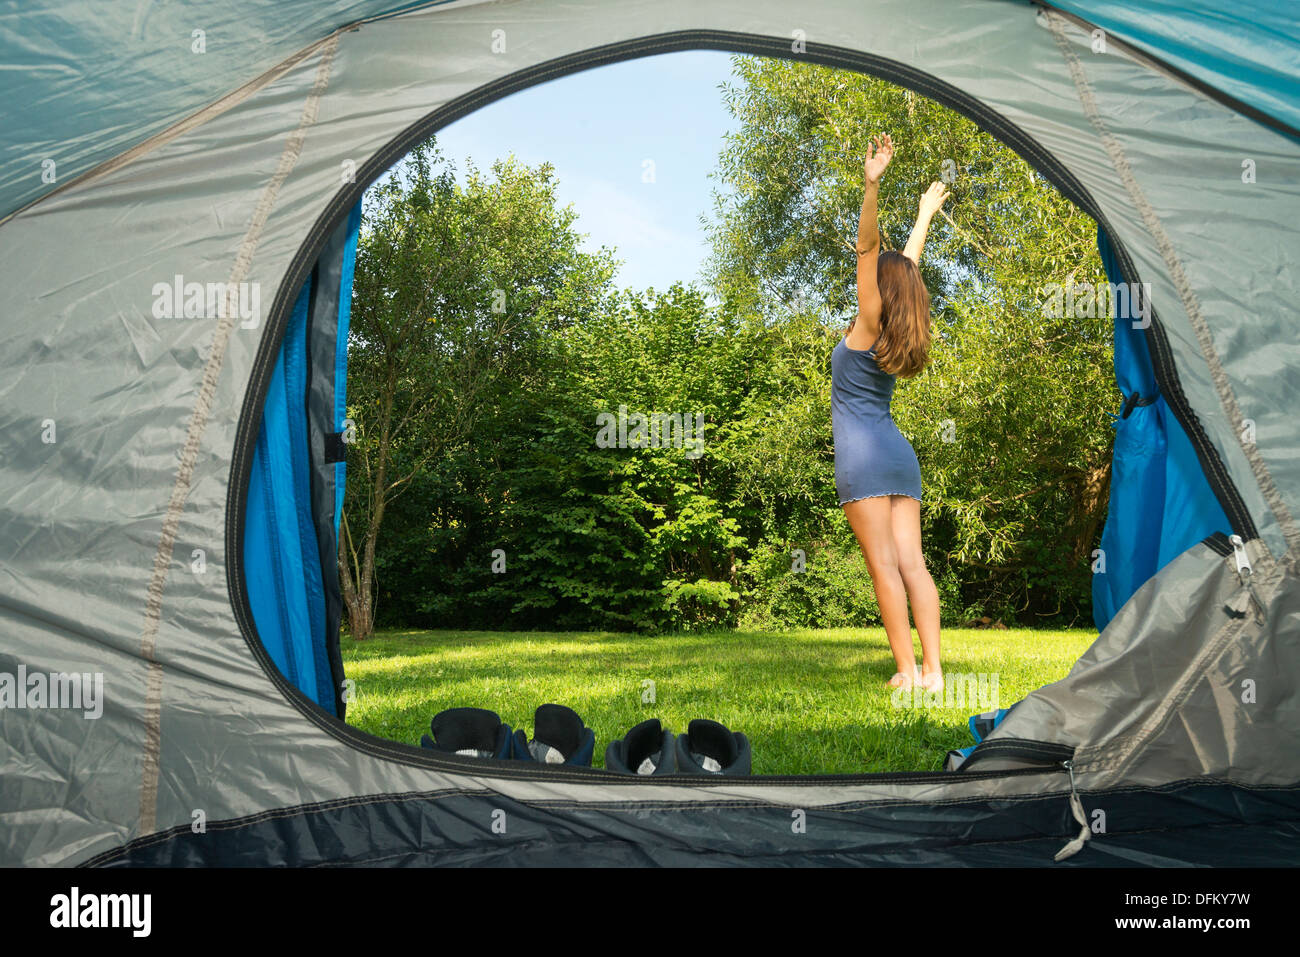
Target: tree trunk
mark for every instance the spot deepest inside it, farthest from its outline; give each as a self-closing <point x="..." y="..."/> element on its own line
<point x="356" y="601"/>
<point x="359" y="592"/>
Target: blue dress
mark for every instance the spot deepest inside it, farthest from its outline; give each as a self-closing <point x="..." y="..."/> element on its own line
<point x="872" y="457"/>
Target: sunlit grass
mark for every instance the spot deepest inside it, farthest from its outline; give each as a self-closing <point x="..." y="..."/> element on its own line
<point x="811" y="701"/>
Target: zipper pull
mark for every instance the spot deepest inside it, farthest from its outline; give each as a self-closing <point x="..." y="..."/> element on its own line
<point x="1240" y="603"/>
<point x="1243" y="560"/>
<point x="1076" y="807"/>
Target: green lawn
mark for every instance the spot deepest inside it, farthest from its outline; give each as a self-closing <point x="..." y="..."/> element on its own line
<point x="810" y="701"/>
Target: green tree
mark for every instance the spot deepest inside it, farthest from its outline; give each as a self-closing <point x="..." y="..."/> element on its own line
<point x="456" y="287"/>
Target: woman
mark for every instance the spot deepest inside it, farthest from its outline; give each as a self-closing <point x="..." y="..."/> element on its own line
<point x="876" y="472"/>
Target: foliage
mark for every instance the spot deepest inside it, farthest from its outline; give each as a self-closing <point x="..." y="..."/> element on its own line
<point x="500" y="507"/>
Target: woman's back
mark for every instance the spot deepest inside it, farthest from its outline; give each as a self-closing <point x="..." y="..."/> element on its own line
<point x="859" y="387"/>
<point x="871" y="456"/>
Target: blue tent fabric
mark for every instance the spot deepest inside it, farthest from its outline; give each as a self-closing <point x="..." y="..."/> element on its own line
<point x="1160" y="501"/>
<point x="980" y="725"/>
<point x="1250" y="51"/>
<point x="341" y="357"/>
<point x="285" y="554"/>
<point x="281" y="552"/>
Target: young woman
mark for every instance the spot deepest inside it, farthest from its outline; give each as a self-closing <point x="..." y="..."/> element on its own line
<point x="876" y="472"/>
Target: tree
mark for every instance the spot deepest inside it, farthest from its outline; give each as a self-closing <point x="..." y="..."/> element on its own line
<point x="455" y="286"/>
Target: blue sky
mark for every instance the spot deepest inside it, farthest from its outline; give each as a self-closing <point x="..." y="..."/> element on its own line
<point x="597" y="128"/>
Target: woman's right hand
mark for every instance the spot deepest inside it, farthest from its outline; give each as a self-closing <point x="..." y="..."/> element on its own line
<point x="932" y="199"/>
<point x="879" y="154"/>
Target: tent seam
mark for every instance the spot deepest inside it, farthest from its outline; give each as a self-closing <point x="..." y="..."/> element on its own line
<point x="221" y="105"/>
<point x="194" y="434"/>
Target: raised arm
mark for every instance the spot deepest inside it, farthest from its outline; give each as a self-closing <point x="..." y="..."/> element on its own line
<point x="866" y="327"/>
<point x="931" y="201"/>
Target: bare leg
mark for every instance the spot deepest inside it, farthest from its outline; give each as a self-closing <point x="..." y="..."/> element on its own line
<point x="921" y="593"/>
<point x="872" y="522"/>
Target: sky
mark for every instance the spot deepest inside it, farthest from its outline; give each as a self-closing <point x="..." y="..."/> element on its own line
<point x="598" y="128"/>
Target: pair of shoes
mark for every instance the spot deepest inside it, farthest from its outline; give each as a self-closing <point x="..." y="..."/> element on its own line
<point x="559" y="736"/>
<point x="707" y="747"/>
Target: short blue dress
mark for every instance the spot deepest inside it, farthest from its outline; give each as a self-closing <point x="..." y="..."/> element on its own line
<point x="872" y="457"/>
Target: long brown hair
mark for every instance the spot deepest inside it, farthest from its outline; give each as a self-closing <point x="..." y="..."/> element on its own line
<point x="904" y="345"/>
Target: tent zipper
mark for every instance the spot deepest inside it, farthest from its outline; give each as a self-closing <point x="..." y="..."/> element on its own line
<point x="1038" y="751"/>
<point x="1076" y="808"/>
<point x="1043" y="753"/>
<point x="1240" y="603"/>
<point x="1218" y="542"/>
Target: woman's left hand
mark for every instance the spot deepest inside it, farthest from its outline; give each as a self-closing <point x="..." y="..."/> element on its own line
<point x="933" y="198"/>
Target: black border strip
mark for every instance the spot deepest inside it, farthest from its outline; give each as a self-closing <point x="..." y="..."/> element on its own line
<point x="724" y="41"/>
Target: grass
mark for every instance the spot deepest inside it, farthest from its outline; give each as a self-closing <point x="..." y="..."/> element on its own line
<point x="811" y="701"/>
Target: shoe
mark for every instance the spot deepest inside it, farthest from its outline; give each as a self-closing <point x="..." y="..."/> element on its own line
<point x="646" y="749"/>
<point x="559" y="737"/>
<point x="708" y="747"/>
<point x="474" y="732"/>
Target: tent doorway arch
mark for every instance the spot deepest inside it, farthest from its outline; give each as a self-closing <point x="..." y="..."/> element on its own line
<point x="344" y="206"/>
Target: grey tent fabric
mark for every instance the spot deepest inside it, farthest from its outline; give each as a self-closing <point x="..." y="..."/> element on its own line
<point x="124" y="433"/>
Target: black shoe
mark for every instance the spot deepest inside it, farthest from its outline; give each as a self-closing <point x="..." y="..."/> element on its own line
<point x="559" y="737"/>
<point x="646" y="749"/>
<point x="710" y="748"/>
<point x="474" y="732"/>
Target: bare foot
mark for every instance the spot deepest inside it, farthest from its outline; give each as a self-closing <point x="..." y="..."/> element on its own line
<point x="901" y="680"/>
<point x="932" y="681"/>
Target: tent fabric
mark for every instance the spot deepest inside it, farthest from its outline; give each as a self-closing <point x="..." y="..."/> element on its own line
<point x="326" y="413"/>
<point x="1251" y="52"/>
<point x="85" y="82"/>
<point x="281" y="553"/>
<point x="1232" y="826"/>
<point x="129" y="433"/>
<point x="1160" y="502"/>
<point x="341" y="352"/>
<point x="295" y="492"/>
<point x="1216" y="690"/>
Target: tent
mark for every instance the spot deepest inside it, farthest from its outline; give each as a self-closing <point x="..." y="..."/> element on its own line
<point x="177" y="220"/>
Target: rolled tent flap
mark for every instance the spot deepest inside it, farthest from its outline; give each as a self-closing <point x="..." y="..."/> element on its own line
<point x="281" y="556"/>
<point x="295" y="492"/>
<point x="1160" y="501"/>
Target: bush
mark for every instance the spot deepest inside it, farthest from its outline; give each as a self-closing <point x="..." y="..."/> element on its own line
<point x="832" y="591"/>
